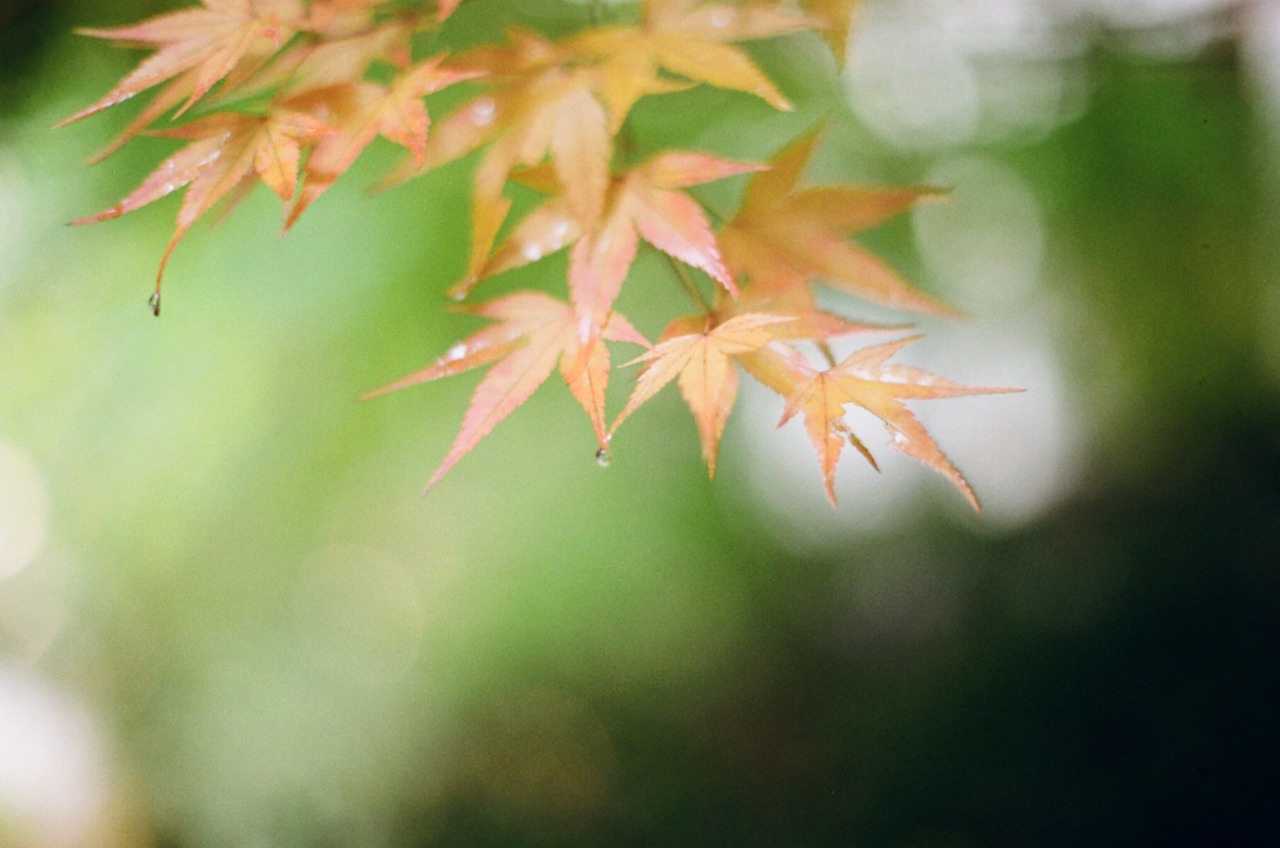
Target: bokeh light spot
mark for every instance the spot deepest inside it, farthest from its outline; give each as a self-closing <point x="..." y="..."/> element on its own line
<point x="24" y="510"/>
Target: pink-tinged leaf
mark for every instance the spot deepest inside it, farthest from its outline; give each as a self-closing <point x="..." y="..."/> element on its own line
<point x="580" y="148"/>
<point x="699" y="358"/>
<point x="359" y="112"/>
<point x="618" y="329"/>
<point x="865" y="379"/>
<point x="675" y="224"/>
<point x="464" y="356"/>
<point x="549" y="112"/>
<point x="276" y="157"/>
<point x="823" y="408"/>
<point x="858" y="272"/>
<point x="785" y="236"/>
<point x="487" y="215"/>
<point x="174" y="173"/>
<point x="598" y="265"/>
<point x="533" y="333"/>
<point x="462" y="131"/>
<point x="225" y="150"/>
<point x="682" y="169"/>
<point x="779" y="367"/>
<point x="210" y="41"/>
<point x="343" y="54"/>
<point x="808" y="321"/>
<point x="517" y="314"/>
<point x="586" y="372"/>
<point x="339" y="18"/>
<point x="506" y="386"/>
<point x="670" y="220"/>
<point x="465" y="129"/>
<point x="543" y="231"/>
<point x="167" y="98"/>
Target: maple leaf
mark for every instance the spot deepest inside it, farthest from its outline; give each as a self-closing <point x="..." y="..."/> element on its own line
<point x="197" y="48"/>
<point x="566" y="101"/>
<point x="838" y="17"/>
<point x="784" y="237"/>
<point x="535" y="333"/>
<point x="865" y="379"/>
<point x="698" y="355"/>
<point x="807" y="321"/>
<point x="225" y="150"/>
<point x="445" y="8"/>
<point x="646" y="202"/>
<point x="556" y="115"/>
<point x="339" y="54"/>
<point x="334" y="16"/>
<point x="358" y="112"/>
<point x="689" y="39"/>
<point x="539" y="110"/>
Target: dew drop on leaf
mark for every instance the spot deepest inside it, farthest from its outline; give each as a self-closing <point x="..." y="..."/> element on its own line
<point x="154" y="303"/>
<point x="603" y="458"/>
<point x="482" y="112"/>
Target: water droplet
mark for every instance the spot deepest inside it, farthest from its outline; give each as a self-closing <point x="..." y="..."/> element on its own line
<point x="482" y="112"/>
<point x="602" y="458"/>
<point x="154" y="303"/>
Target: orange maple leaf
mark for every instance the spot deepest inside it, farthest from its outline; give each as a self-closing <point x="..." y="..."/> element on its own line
<point x="697" y="353"/>
<point x="535" y="333"/>
<point x="225" y="150"/>
<point x="565" y="101"/>
<point x="197" y="48"/>
<point x="358" y="112"/>
<point x="689" y="39"/>
<point x="837" y="16"/>
<point x="865" y="379"/>
<point x="784" y="236"/>
<point x="807" y="321"/>
<point x="646" y="202"/>
<point x="538" y="110"/>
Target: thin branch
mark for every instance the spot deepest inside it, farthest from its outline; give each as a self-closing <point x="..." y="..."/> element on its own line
<point x="682" y="274"/>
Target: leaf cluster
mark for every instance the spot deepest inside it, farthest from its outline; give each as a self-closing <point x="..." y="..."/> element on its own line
<point x="289" y="93"/>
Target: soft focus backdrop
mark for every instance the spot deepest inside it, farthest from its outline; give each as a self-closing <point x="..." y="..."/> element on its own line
<point x="227" y="618"/>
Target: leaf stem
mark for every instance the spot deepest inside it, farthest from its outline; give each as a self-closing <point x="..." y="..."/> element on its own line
<point x="829" y="355"/>
<point x="690" y="288"/>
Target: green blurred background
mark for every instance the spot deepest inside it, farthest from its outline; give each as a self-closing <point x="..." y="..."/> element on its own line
<point x="227" y="618"/>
